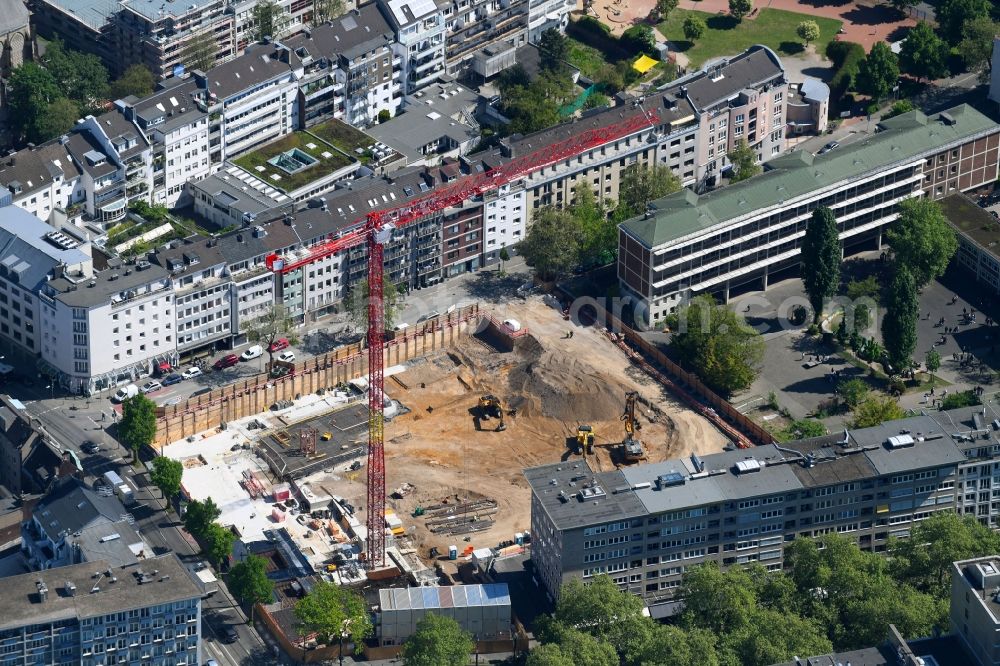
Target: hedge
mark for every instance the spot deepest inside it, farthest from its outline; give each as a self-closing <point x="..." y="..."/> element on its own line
<point x="847" y="57"/>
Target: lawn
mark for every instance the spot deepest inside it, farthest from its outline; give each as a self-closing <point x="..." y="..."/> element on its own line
<point x="725" y="36"/>
<point x="329" y="159"/>
<point x="343" y="136"/>
<point x="586" y="58"/>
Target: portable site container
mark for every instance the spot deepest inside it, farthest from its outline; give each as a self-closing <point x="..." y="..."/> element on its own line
<point x="482" y="610"/>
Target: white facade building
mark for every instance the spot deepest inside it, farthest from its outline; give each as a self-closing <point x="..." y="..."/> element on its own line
<point x="545" y="14"/>
<point x="420" y="36"/>
<point x="506" y="217"/>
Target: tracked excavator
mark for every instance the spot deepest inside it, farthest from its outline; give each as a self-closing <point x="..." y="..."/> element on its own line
<point x="631" y="447"/>
<point x="490" y="407"/>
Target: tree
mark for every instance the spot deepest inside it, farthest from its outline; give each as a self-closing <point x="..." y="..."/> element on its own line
<point x="82" y="77"/>
<point x="642" y="184"/>
<point x="853" y="391"/>
<point x="199" y="515"/>
<point x="899" y="326"/>
<point x="273" y="323"/>
<point x="548" y="654"/>
<point x="504" y="257"/>
<point x="639" y="39"/>
<point x="808" y="31"/>
<point x="876" y="410"/>
<point x="923" y="54"/>
<point x="932" y="360"/>
<point x="553" y="48"/>
<point x="200" y="52"/>
<point x="248" y="581"/>
<point x="898" y="109"/>
<point x="878" y="72"/>
<point x="925" y="559"/>
<point x="717" y="344"/>
<point x="166" y="475"/>
<point x="138" y="423"/>
<point x="327" y="10"/>
<point x="356" y="305"/>
<point x="552" y="245"/>
<point x="330" y="610"/>
<point x="438" y="641"/>
<point x="740" y="8"/>
<point x="663" y="9"/>
<point x="922" y="239"/>
<point x="32" y="90"/>
<point x="384" y="115"/>
<point x="952" y="15"/>
<point x="219" y="542"/>
<point x="58" y="119"/>
<point x="744" y="161"/>
<point x="599" y="234"/>
<point x="136" y="81"/>
<point x="821" y="259"/>
<point x="267" y="19"/>
<point x="577" y="648"/>
<point x="604" y="611"/>
<point x="673" y="646"/>
<point x="694" y="27"/>
<point x="976" y="46"/>
<point x="803" y="429"/>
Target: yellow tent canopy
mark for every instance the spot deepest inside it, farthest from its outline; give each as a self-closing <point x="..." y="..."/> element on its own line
<point x="643" y="64"/>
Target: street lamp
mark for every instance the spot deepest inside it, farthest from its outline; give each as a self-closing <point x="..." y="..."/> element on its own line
<point x="343" y="634"/>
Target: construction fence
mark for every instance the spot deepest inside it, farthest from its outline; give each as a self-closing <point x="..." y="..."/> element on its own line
<point x="721" y="411"/>
<point x="257" y="394"/>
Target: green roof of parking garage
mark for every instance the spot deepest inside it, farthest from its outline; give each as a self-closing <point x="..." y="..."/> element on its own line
<point x="798" y="173"/>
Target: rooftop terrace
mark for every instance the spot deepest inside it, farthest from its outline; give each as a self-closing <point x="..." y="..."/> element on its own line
<point x="294" y="161"/>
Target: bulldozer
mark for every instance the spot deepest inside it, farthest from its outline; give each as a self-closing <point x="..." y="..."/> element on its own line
<point x="631" y="447"/>
<point x="585" y="440"/>
<point x="490" y="407"/>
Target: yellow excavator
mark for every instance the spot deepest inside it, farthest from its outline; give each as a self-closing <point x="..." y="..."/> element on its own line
<point x="632" y="447"/>
<point x="585" y="440"/>
<point x="490" y="407"/>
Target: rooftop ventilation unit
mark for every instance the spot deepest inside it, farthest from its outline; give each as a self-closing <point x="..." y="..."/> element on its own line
<point x="594" y="492"/>
<point x="61" y="240"/>
<point x="669" y="480"/>
<point x="899" y="441"/>
<point x="699" y="464"/>
<point x="747" y="466"/>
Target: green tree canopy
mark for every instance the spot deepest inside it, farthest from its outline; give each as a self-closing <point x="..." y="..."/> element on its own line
<point x="876" y="410"/>
<point x="549" y="654"/>
<point x="331" y="609"/>
<point x="740" y="8"/>
<point x="138" y="423"/>
<point x="552" y="245"/>
<point x="599" y="234"/>
<point x="327" y="10"/>
<point x="694" y="27"/>
<point x="639" y="39"/>
<point x="59" y="118"/>
<point x="922" y="239"/>
<point x="438" y="641"/>
<point x="952" y="15"/>
<point x="219" y="542"/>
<point x="137" y="80"/>
<point x="642" y="184"/>
<point x="808" y="31"/>
<point x="577" y="648"/>
<point x="821" y="256"/>
<point x="853" y="391"/>
<point x="604" y="611"/>
<point x="199" y="515"/>
<point x="717" y="344"/>
<point x="553" y="48"/>
<point x="932" y="360"/>
<point x="899" y="326"/>
<point x="923" y="54"/>
<point x="200" y="52"/>
<point x="663" y="8"/>
<point x="744" y="161"/>
<point x="268" y="19"/>
<point x="81" y="77"/>
<point x="273" y="323"/>
<point x="248" y="581"/>
<point x="898" y="109"/>
<point x="166" y="475"/>
<point x="530" y="104"/>
<point x="356" y="305"/>
<point x="878" y="72"/>
<point x="976" y="46"/>
<point x="33" y="89"/>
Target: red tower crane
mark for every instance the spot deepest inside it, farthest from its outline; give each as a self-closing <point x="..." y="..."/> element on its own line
<point x="376" y="229"/>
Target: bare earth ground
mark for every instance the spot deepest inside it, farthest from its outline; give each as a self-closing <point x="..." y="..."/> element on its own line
<point x="555" y="383"/>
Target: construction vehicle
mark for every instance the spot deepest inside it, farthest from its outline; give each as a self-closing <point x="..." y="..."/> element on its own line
<point x="632" y="447"/>
<point x="490" y="407"/>
<point x="585" y="440"/>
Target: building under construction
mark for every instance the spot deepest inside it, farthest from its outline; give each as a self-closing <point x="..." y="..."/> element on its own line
<point x="308" y="446"/>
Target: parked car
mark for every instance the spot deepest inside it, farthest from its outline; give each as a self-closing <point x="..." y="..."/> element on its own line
<point x="171" y="379"/>
<point x="227" y="361"/>
<point x="287" y="356"/>
<point x="125" y="392"/>
<point x="251" y="353"/>
<point x="193" y="371"/>
<point x="151" y="386"/>
<point x="278" y="345"/>
<point x="89" y="448"/>
<point x="828" y="147"/>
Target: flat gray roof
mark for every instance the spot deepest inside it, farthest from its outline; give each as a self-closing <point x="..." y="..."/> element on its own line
<point x="20" y="604"/>
<point x="569" y="478"/>
<point x="106" y="284"/>
<point x="434" y="112"/>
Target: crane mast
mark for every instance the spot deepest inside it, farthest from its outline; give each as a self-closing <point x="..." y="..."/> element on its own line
<point x="376" y="230"/>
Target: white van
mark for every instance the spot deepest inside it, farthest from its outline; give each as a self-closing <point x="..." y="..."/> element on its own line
<point x="251" y="353"/>
<point x="125" y="392"/>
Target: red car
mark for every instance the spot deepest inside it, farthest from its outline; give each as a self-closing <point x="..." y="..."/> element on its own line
<point x="278" y="345"/>
<point x="227" y="361"/>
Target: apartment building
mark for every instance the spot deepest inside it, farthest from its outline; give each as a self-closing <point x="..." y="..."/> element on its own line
<point x="690" y="244"/>
<point x="82" y="25"/>
<point x="978" y="237"/>
<point x="176" y="124"/>
<point x="545" y="14"/>
<point x="645" y="525"/>
<point x="481" y="27"/>
<point x="31" y="254"/>
<point x="201" y="288"/>
<point x="420" y="29"/>
<point x="29" y="461"/>
<point x="73" y="524"/>
<point x="42" y="179"/>
<point x="736" y="99"/>
<point x="975" y="608"/>
<point x="97" y="613"/>
<point x="108" y="327"/>
<point x="292" y="17"/>
<point x="350" y="70"/>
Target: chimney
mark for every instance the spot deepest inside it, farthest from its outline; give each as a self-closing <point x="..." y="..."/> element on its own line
<point x="43" y="591"/>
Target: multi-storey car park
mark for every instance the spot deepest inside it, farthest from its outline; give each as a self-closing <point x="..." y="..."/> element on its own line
<point x="751" y="232"/>
<point x="645" y="525"/>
